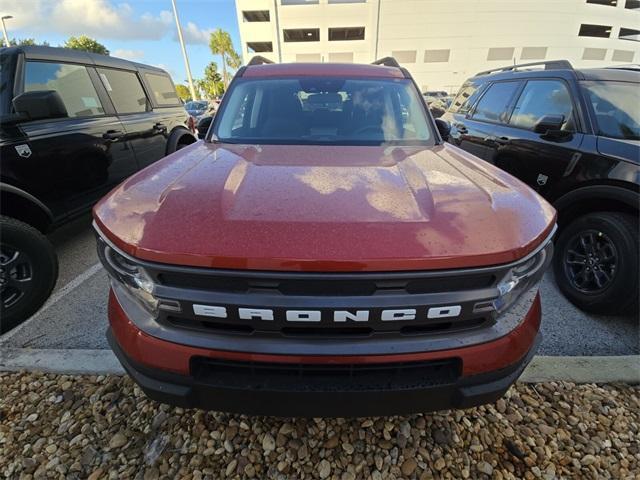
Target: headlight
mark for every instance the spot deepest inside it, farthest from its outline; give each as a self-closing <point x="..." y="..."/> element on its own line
<point x="132" y="276"/>
<point x="522" y="277"/>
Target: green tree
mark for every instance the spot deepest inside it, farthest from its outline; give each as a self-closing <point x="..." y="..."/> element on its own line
<point x="220" y="44"/>
<point x="87" y="44"/>
<point x="211" y="85"/>
<point x="183" y="92"/>
<point x="23" y="42"/>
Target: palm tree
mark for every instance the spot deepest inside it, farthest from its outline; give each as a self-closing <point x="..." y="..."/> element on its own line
<point x="220" y="44"/>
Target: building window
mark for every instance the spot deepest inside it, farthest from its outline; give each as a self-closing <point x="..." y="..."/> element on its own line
<point x="346" y="33"/>
<point x="629" y="34"/>
<point x="301" y="35"/>
<point x="347" y="1"/>
<point x="594" y="53"/>
<point x="623" y="56"/>
<point x="533" y="53"/>
<point x="308" y="57"/>
<point x="341" y="57"/>
<point x="404" y="56"/>
<point x="260" y="47"/>
<point x="256" y="16"/>
<point x="500" y="53"/>
<point x="611" y="3"/>
<point x="435" y="56"/>
<point x="602" y="31"/>
<point x="632" y="4"/>
<point x="299" y="2"/>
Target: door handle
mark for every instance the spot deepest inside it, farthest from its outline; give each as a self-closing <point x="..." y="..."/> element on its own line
<point x="160" y="127"/>
<point x="461" y="128"/>
<point x="497" y="140"/>
<point x="112" y="134"/>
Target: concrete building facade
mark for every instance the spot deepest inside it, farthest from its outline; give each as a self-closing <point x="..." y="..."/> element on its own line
<point x="442" y="42"/>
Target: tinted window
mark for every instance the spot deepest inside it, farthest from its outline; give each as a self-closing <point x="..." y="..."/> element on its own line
<point x="540" y="98"/>
<point x="162" y="89"/>
<point x="72" y="82"/>
<point x="125" y="90"/>
<point x="322" y="110"/>
<point x="616" y="107"/>
<point x="493" y="105"/>
<point x="465" y="99"/>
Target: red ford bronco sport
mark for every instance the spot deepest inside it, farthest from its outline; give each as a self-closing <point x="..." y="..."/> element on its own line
<point x="324" y="253"/>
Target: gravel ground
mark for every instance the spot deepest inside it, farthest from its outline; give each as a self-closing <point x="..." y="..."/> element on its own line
<point x="56" y="426"/>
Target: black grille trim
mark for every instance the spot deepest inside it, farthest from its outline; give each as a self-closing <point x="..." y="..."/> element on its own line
<point x="326" y="284"/>
<point x="326" y="377"/>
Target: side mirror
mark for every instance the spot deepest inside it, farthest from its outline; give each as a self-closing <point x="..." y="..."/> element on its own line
<point x="203" y="126"/>
<point x="40" y="104"/>
<point x="444" y="128"/>
<point x="549" y="123"/>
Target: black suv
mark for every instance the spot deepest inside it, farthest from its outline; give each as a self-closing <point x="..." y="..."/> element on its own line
<point x="574" y="136"/>
<point x="72" y="126"/>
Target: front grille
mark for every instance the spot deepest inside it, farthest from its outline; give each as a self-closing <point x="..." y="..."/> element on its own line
<point x="326" y="377"/>
<point x="331" y="285"/>
<point x="333" y="297"/>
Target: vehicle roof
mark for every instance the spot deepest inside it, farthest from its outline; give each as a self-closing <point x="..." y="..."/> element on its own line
<point x="322" y="69"/>
<point x="58" y="54"/>
<point x="607" y="74"/>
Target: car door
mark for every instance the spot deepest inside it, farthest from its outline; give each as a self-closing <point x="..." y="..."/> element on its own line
<point x="483" y="122"/>
<point x="539" y="159"/>
<point x="168" y="112"/>
<point x="144" y="132"/>
<point x="458" y="114"/>
<point x="74" y="160"/>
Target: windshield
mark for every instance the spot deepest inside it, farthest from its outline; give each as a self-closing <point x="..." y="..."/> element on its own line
<point x="617" y="108"/>
<point x="195" y="105"/>
<point x="323" y="110"/>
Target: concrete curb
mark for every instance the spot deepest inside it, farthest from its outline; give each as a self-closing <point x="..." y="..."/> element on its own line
<point x="623" y="369"/>
<point x="75" y="362"/>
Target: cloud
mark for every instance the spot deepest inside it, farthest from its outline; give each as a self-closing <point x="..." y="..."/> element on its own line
<point x="97" y="18"/>
<point x="192" y="34"/>
<point x="128" y="54"/>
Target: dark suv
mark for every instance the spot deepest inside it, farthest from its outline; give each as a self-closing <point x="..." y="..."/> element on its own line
<point x="72" y="126"/>
<point x="573" y="135"/>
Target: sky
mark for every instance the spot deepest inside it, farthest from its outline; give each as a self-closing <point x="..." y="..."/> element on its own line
<point x="139" y="30"/>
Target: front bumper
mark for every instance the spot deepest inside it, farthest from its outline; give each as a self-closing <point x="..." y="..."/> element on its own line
<point x="309" y="386"/>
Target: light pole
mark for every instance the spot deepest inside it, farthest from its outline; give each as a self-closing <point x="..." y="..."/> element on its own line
<point x="184" y="51"/>
<point x="4" y="30"/>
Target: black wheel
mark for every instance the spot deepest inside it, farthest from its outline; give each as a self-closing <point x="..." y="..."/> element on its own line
<point x="596" y="263"/>
<point x="28" y="271"/>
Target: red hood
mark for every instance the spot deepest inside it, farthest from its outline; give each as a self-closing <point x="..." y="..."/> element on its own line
<point x="324" y="208"/>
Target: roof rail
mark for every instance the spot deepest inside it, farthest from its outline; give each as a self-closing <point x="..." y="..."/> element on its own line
<point x="258" y="60"/>
<point x="548" y="65"/>
<point x="387" y="62"/>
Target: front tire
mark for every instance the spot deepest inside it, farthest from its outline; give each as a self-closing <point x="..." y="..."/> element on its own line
<point x="596" y="263"/>
<point x="28" y="271"/>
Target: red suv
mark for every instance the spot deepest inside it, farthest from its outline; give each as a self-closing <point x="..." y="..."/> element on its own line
<point x="324" y="253"/>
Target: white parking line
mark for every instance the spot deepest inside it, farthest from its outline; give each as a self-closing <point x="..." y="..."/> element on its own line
<point x="55" y="298"/>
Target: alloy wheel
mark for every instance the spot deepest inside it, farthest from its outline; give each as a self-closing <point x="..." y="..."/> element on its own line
<point x="590" y="261"/>
<point x="16" y="275"/>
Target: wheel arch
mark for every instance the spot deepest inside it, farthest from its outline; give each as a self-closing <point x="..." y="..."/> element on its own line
<point x="179" y="135"/>
<point x="596" y="198"/>
<point x="21" y="205"/>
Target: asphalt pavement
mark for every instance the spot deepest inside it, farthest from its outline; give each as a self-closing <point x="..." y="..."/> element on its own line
<point x="75" y="317"/>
